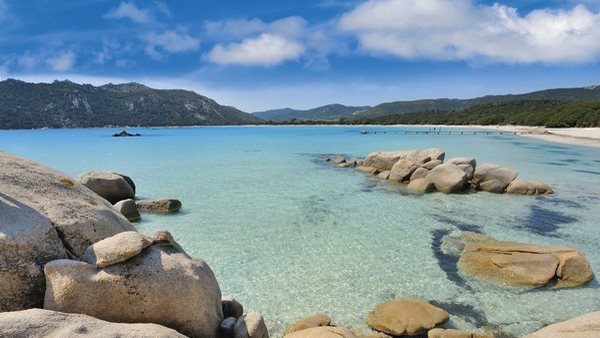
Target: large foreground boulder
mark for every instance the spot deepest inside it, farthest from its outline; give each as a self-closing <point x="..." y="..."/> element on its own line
<point x="161" y="285"/>
<point x="37" y="323"/>
<point x="27" y="242"/>
<point x="524" y="265"/>
<point x="111" y="186"/>
<point x="80" y="216"/>
<point x="406" y="317"/>
<point x="584" y="326"/>
<point x="448" y="178"/>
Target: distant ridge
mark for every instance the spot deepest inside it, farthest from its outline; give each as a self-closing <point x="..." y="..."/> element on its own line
<point x="327" y="112"/>
<point x="65" y="104"/>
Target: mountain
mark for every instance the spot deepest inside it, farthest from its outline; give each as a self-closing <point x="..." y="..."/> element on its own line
<point x="328" y="112"/>
<point x="586" y="94"/>
<point x="64" y="104"/>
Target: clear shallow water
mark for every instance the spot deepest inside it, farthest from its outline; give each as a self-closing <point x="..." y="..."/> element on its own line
<point x="290" y="236"/>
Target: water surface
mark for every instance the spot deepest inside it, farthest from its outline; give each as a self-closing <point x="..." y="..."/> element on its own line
<point x="289" y="235"/>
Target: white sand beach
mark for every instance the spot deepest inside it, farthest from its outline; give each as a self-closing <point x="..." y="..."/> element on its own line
<point x="581" y="136"/>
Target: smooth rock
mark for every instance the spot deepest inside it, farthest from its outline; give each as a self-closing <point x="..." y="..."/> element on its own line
<point x="128" y="180"/>
<point x="385" y="160"/>
<point x="421" y="185"/>
<point x="231" y="307"/>
<point x="487" y="172"/>
<point x="452" y="333"/>
<point x="128" y="209"/>
<point x="463" y="160"/>
<point x="584" y="326"/>
<point x="541" y="187"/>
<point x="161" y="285"/>
<point x="524" y="265"/>
<point x="468" y="169"/>
<point x="322" y="332"/>
<point x="434" y="154"/>
<point x="402" y="170"/>
<point x="251" y="325"/>
<point x="27" y="242"/>
<point x="384" y="175"/>
<point x="227" y="327"/>
<point x="448" y="178"/>
<point x="521" y="187"/>
<point x="406" y="317"/>
<point x="116" y="249"/>
<point x="81" y="218"/>
<point x="432" y="164"/>
<point x="493" y="186"/>
<point x="110" y="186"/>
<point x="419" y="173"/>
<point x="162" y="205"/>
<point x="308" y="322"/>
<point x="38" y="323"/>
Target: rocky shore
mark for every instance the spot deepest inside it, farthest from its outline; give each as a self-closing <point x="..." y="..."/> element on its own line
<point x="73" y="264"/>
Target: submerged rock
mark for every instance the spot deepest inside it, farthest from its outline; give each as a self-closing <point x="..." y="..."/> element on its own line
<point x="448" y="178"/>
<point x="110" y="186"/>
<point x="452" y="333"/>
<point x="309" y="322"/>
<point x="522" y="187"/>
<point x="38" y="323"/>
<point x="161" y="285"/>
<point x="406" y="317"/>
<point x="251" y="325"/>
<point x="162" y="205"/>
<point x="348" y="164"/>
<point x="524" y="265"/>
<point x="339" y="160"/>
<point x="128" y="209"/>
<point x="79" y="216"/>
<point x="27" y="242"/>
<point x="541" y="187"/>
<point x="322" y="332"/>
<point x="584" y="326"/>
<point x="368" y="170"/>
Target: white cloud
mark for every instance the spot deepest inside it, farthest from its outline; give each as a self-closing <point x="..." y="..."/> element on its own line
<point x="61" y="62"/>
<point x="170" y="41"/>
<point x="131" y="11"/>
<point x="28" y="61"/>
<point x="290" y="27"/>
<point x="264" y="50"/>
<point x="464" y="30"/>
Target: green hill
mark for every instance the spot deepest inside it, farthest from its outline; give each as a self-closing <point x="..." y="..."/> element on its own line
<point x="327" y="112"/>
<point x="64" y="104"/>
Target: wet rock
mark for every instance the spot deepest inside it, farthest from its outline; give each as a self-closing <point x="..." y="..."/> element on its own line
<point x="27" y="242"/>
<point x="80" y="219"/>
<point x="584" y="326"/>
<point x="110" y="186"/>
<point x="521" y="187"/>
<point x="128" y="209"/>
<point x="541" y="187"/>
<point x="38" y="323"/>
<point x="231" y="307"/>
<point x="227" y="327"/>
<point x="406" y="317"/>
<point x="162" y="205"/>
<point x="322" y="332"/>
<point x="448" y="178"/>
<point x="116" y="249"/>
<point x="161" y="285"/>
<point x="251" y="325"/>
<point x="452" y="333"/>
<point x="402" y="170"/>
<point x="309" y="322"/>
<point x="421" y="185"/>
<point x="432" y="164"/>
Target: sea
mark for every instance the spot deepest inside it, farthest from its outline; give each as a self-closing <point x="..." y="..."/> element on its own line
<point x="290" y="235"/>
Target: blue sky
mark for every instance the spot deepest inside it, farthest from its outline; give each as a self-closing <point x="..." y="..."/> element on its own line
<point x="264" y="54"/>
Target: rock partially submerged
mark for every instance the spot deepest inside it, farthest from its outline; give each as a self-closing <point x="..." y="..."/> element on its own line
<point x="322" y="332"/>
<point x="161" y="205"/>
<point x="161" y="285"/>
<point x="309" y="322"/>
<point x="406" y="317"/>
<point x="110" y="186"/>
<point x="38" y="323"/>
<point x="128" y="208"/>
<point x="584" y="326"/>
<point x="27" y="242"/>
<point x="79" y="216"/>
<point x="452" y="333"/>
<point x="124" y="133"/>
<point x="524" y="265"/>
<point x="448" y="178"/>
<point x="251" y="325"/>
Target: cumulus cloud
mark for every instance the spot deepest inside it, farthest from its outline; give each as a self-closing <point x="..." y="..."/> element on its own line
<point x="465" y="30"/>
<point x="170" y="41"/>
<point x="61" y="62"/>
<point x="290" y="27"/>
<point x="130" y="11"/>
<point x="264" y="50"/>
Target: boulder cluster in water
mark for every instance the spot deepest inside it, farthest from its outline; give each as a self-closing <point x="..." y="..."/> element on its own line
<point x="71" y="263"/>
<point x="426" y="171"/>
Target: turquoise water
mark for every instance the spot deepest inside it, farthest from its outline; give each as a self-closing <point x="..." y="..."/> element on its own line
<point x="289" y="236"/>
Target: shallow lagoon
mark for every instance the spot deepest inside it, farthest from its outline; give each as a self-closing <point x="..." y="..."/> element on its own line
<point x="289" y="235"/>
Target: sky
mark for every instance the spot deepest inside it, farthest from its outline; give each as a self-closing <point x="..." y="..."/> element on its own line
<point x="264" y="54"/>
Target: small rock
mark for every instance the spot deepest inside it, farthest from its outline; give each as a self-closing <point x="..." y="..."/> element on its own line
<point x="406" y="317"/>
<point x="128" y="209"/>
<point x="419" y="173"/>
<point x="251" y="325"/>
<point x="163" y="205"/>
<point x="348" y="164"/>
<point x="541" y="187"/>
<point x="522" y="187"/>
<point x="231" y="307"/>
<point x="452" y="333"/>
<point x="227" y="327"/>
<point x="368" y="170"/>
<point x="308" y="322"/>
<point x="116" y="249"/>
<point x="339" y="159"/>
<point x="421" y="185"/>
